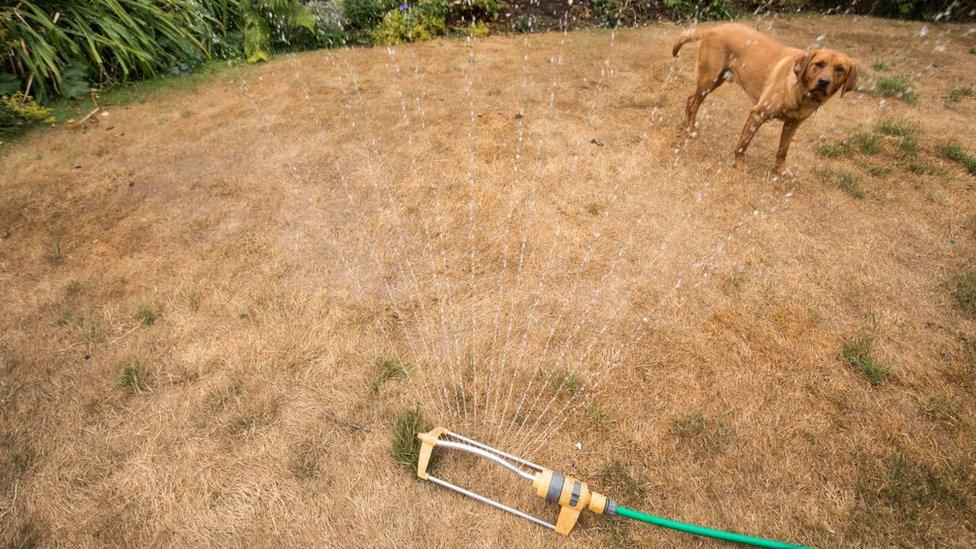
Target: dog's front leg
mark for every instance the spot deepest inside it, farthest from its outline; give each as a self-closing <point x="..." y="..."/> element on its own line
<point x="756" y="119"/>
<point x="789" y="128"/>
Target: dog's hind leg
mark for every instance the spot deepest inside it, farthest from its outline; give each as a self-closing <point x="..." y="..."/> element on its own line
<point x="710" y="76"/>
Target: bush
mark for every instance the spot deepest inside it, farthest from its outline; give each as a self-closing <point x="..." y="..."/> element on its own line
<point x="408" y="25"/>
<point x="606" y="12"/>
<point x="19" y="111"/>
<point x="701" y="9"/>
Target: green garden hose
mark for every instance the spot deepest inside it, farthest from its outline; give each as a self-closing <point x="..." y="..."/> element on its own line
<point x="702" y="531"/>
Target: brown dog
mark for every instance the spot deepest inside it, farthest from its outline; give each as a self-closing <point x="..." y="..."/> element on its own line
<point x="785" y="83"/>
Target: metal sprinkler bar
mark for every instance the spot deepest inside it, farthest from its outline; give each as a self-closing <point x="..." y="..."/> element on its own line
<point x="571" y="494"/>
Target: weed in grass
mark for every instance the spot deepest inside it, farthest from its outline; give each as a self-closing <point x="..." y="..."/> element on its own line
<point x="148" y="313"/>
<point x="830" y="150"/>
<point x="389" y="369"/>
<point x="850" y="184"/>
<point x="193" y="300"/>
<point x="896" y="128"/>
<point x="909" y="144"/>
<point x="561" y="381"/>
<point x="911" y="487"/>
<point x="962" y="288"/>
<point x="879" y="170"/>
<point x="405" y="449"/>
<point x="709" y="435"/>
<point x="304" y="463"/>
<point x="72" y="287"/>
<point x="593" y="208"/>
<point x="956" y="95"/>
<point x="15" y="459"/>
<point x="944" y="410"/>
<point x="65" y="317"/>
<point x="734" y="282"/>
<point x="858" y="351"/>
<point x="596" y="413"/>
<point x="897" y="87"/>
<point x="55" y="253"/>
<point x="953" y="151"/>
<point x="615" y="478"/>
<point x="880" y="66"/>
<point x="132" y="376"/>
<point x="920" y="168"/>
<point x="866" y="143"/>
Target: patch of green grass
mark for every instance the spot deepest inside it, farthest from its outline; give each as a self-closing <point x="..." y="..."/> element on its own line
<point x="962" y="288"/>
<point x="858" y="351"/>
<point x="561" y="381"/>
<point x="920" y="168"/>
<point x="954" y="152"/>
<point x="911" y="486"/>
<point x="880" y="66"/>
<point x="830" y="150"/>
<point x="710" y="435"/>
<point x="72" y="287"/>
<point x="148" y="313"/>
<point x="390" y="368"/>
<point x="132" y="376"/>
<point x="905" y="132"/>
<point x="616" y="478"/>
<point x="896" y="87"/>
<point x="850" y="184"/>
<point x="879" y="170"/>
<point x="866" y="143"/>
<point x="405" y="448"/>
<point x="595" y="412"/>
<point x="956" y="95"/>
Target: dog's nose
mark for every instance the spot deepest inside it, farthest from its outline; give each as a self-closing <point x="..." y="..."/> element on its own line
<point x="823" y="82"/>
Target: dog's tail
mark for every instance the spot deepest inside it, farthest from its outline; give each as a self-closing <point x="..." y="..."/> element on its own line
<point x="690" y="35"/>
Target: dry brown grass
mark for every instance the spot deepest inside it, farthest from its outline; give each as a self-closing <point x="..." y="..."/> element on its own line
<point x="487" y="212"/>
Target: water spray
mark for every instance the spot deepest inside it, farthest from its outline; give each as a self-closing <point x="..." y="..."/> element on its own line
<point x="571" y="494"/>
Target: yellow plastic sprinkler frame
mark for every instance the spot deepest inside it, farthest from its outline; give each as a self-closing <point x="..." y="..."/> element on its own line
<point x="571" y="494"/>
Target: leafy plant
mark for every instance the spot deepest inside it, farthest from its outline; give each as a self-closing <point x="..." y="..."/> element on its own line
<point x="19" y="111"/>
<point x="405" y="449"/>
<point x="701" y="9"/>
<point x="606" y="12"/>
<point x="406" y="24"/>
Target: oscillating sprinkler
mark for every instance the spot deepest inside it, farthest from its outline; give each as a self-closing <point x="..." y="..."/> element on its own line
<point x="571" y="494"/>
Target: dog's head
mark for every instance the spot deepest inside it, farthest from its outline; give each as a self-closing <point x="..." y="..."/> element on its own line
<point x="823" y="72"/>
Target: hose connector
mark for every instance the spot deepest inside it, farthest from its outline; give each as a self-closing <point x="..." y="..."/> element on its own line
<point x="572" y="495"/>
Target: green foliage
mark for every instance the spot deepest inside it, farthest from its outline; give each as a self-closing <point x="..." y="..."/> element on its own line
<point x="880" y="66"/>
<point x="262" y="18"/>
<point x="953" y="151"/>
<point x="606" y="12"/>
<point x="523" y="25"/>
<point x="850" y="184"/>
<point x="701" y="9"/>
<point x="410" y="25"/>
<point x="405" y="449"/>
<point x="561" y="381"/>
<point x="830" y="150"/>
<point x="859" y="352"/>
<point x="361" y="16"/>
<point x="895" y="86"/>
<point x="18" y="111"/>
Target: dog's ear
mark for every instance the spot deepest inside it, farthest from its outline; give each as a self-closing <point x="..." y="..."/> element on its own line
<point x="800" y="68"/>
<point x="850" y="82"/>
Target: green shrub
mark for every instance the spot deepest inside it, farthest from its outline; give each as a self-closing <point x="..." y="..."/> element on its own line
<point x="701" y="9"/>
<point x="19" y="111"/>
<point x="523" y="25"/>
<point x="606" y="13"/>
<point x="410" y="25"/>
<point x="361" y="16"/>
<point x="476" y="30"/>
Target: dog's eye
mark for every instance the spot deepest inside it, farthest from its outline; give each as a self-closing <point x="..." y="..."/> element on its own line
<point x="818" y="65"/>
<point x="838" y="69"/>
